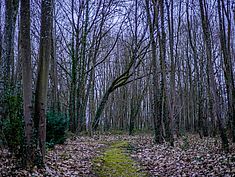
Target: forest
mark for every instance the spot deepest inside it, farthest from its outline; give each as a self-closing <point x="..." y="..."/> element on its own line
<point x="117" y="88"/>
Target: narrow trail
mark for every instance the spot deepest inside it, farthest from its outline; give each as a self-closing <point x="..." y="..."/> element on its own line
<point x="116" y="162"/>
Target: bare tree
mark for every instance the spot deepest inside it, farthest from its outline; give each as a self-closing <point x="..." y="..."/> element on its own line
<point x="8" y="43"/>
<point x="225" y="43"/>
<point x="42" y="78"/>
<point x="156" y="100"/>
<point x="0" y="36"/>
<point x="25" y="54"/>
<point x="213" y="92"/>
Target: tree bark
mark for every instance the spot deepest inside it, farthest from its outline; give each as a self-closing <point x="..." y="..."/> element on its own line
<point x="42" y="78"/>
<point x="171" y="99"/>
<point x="11" y="10"/>
<point x="228" y="69"/>
<point x="25" y="55"/>
<point x="1" y="40"/>
<point x="211" y="77"/>
<point x="157" y="118"/>
<point x="54" y="73"/>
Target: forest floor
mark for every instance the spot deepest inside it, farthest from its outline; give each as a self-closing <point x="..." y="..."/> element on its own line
<point x="122" y="155"/>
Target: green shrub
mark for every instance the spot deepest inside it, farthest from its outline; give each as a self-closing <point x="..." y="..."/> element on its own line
<point x="13" y="122"/>
<point x="57" y="124"/>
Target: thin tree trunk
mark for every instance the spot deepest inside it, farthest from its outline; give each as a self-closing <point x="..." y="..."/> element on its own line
<point x="54" y="74"/>
<point x="73" y="86"/>
<point x="8" y="47"/>
<point x="118" y="82"/>
<point x="83" y="95"/>
<point x="228" y="70"/>
<point x="157" y="118"/>
<point x="162" y="56"/>
<point x="1" y="49"/>
<point x="211" y="77"/>
<point x="171" y="99"/>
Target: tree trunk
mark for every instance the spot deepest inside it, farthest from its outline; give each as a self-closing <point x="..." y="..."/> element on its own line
<point x="54" y="74"/>
<point x="164" y="99"/>
<point x="228" y="69"/>
<point x="8" y="47"/>
<point x="72" y="100"/>
<point x="42" y="78"/>
<point x="118" y="82"/>
<point x="25" y="54"/>
<point x="171" y="99"/>
<point x="83" y="95"/>
<point x="100" y="110"/>
<point x="157" y="118"/>
<point x="1" y="41"/>
<point x="211" y="77"/>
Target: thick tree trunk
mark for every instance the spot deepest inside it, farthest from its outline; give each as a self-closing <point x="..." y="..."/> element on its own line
<point x="42" y="79"/>
<point x="25" y="55"/>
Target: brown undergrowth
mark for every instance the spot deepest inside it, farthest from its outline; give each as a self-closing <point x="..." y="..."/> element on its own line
<point x="191" y="156"/>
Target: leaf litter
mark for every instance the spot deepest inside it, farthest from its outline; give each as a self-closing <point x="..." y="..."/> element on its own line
<point x="191" y="156"/>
